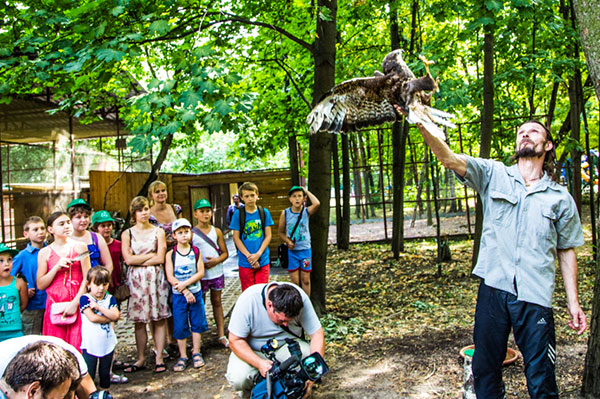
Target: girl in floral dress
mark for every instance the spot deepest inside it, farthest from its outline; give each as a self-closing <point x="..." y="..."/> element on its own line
<point x="60" y="273"/>
<point x="143" y="248"/>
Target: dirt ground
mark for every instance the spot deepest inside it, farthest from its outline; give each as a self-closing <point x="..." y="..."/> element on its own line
<point x="394" y="330"/>
<point x="425" y="365"/>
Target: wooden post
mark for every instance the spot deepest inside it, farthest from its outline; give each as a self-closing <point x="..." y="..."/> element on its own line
<point x="1" y="196"/>
<point x="54" y="164"/>
<point x="460" y="141"/>
<point x="72" y="153"/>
<point x="381" y="183"/>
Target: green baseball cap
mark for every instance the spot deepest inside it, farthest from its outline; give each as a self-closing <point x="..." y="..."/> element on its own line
<point x="295" y="188"/>
<point x="202" y="203"/>
<point x="80" y="202"/>
<point x="4" y="248"/>
<point x="101" y="217"/>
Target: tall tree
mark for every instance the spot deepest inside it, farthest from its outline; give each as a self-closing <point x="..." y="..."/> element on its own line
<point x="487" y="113"/>
<point x="319" y="167"/>
<point x="588" y="20"/>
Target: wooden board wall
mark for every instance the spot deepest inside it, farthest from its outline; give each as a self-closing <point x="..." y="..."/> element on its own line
<point x="273" y="186"/>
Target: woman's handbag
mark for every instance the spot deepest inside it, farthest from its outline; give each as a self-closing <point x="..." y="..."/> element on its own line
<point x="56" y="314"/>
<point x="122" y="292"/>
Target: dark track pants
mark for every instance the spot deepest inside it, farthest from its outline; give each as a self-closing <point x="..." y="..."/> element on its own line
<point x="533" y="328"/>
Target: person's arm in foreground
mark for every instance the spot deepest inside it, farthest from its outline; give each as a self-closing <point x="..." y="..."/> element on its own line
<point x="450" y="160"/>
<point x="567" y="261"/>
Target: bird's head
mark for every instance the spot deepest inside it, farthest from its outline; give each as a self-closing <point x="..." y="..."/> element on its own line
<point x="392" y="62"/>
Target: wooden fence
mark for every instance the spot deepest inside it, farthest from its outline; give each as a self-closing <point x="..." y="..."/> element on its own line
<point x="113" y="191"/>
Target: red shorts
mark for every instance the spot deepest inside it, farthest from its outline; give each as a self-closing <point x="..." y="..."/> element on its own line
<point x="250" y="277"/>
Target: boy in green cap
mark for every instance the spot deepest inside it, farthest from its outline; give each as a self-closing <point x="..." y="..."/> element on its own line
<point x="13" y="296"/>
<point x="293" y="231"/>
<point x="209" y="239"/>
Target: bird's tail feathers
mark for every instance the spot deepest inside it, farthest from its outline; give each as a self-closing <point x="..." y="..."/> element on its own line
<point x="418" y="113"/>
<point x="441" y="117"/>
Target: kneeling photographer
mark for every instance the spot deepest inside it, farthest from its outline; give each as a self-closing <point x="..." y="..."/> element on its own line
<point x="261" y="313"/>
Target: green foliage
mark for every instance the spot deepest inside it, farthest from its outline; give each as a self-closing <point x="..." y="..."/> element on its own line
<point x="245" y="69"/>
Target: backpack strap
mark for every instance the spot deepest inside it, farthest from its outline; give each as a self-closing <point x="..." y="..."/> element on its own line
<point x="173" y="255"/>
<point x="195" y="249"/>
<point x="297" y="222"/>
<point x="206" y="238"/>
<point x="261" y="214"/>
<point x="242" y="211"/>
<point x="196" y="252"/>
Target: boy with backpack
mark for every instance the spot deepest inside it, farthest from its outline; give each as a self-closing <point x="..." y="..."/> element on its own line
<point x="294" y="232"/>
<point x="251" y="226"/>
<point x="184" y="269"/>
<point x="209" y="239"/>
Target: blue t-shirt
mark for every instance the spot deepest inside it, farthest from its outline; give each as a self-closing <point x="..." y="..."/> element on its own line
<point x="253" y="235"/>
<point x="26" y="263"/>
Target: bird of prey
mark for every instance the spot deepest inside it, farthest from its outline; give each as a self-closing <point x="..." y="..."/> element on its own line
<point x="372" y="101"/>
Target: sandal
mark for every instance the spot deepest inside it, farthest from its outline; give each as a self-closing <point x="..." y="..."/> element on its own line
<point x="160" y="368"/>
<point x="224" y="341"/>
<point x="166" y="354"/>
<point x="181" y="364"/>
<point x="198" y="360"/>
<point x="118" y="379"/>
<point x="119" y="365"/>
<point x="132" y="368"/>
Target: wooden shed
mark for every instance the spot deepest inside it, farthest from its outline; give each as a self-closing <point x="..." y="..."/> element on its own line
<point x="113" y="191"/>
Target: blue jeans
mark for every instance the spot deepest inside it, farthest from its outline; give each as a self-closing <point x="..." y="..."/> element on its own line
<point x="496" y="313"/>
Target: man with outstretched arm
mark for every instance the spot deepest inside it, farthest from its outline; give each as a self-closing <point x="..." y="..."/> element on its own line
<point x="262" y="312"/>
<point x="529" y="222"/>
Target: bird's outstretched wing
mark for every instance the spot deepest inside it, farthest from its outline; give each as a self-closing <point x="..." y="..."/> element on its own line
<point x="354" y="104"/>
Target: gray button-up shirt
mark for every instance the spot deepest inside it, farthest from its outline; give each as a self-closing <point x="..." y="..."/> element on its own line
<point x="522" y="229"/>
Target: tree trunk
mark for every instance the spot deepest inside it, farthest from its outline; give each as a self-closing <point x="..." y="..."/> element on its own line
<point x="319" y="167"/>
<point x="162" y="155"/>
<point x="358" y="203"/>
<point x="487" y="126"/>
<point x="399" y="133"/>
<point x="345" y="238"/>
<point x="336" y="187"/>
<point x="574" y="96"/>
<point x="293" y="155"/>
<point x="587" y="13"/>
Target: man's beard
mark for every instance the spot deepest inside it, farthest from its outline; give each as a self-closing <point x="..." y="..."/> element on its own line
<point x="528" y="152"/>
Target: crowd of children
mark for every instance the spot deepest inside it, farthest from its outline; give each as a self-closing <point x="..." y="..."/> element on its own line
<point x="69" y="280"/>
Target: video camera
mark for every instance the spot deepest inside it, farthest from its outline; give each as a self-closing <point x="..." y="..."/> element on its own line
<point x="286" y="380"/>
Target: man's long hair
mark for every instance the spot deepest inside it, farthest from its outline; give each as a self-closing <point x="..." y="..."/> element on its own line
<point x="549" y="165"/>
